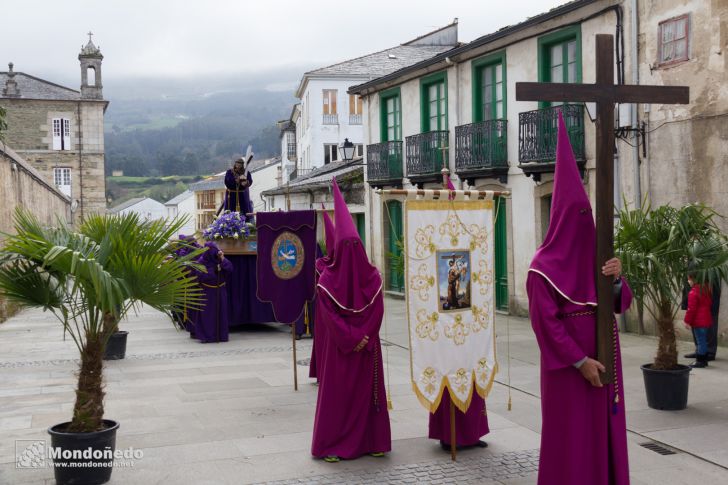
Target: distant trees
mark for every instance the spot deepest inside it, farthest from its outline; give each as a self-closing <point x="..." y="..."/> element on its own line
<point x="211" y="132"/>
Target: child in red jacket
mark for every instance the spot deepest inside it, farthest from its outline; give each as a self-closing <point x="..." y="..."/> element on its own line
<point x="699" y="317"/>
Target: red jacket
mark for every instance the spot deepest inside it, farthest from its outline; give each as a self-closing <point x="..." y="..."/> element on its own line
<point x="699" y="303"/>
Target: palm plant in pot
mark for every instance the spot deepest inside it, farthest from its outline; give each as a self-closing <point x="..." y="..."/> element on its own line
<point x="657" y="248"/>
<point x="150" y="239"/>
<point x="89" y="285"/>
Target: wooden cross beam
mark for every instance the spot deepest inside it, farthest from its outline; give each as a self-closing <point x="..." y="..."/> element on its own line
<point x="605" y="93"/>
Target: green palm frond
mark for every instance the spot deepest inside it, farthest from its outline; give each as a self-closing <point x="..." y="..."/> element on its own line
<point x="27" y="284"/>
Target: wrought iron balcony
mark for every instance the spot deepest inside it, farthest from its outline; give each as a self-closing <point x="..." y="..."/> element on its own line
<point x="537" y="138"/>
<point x="384" y="164"/>
<point x="355" y="119"/>
<point x="481" y="150"/>
<point x="299" y="172"/>
<point x="427" y="153"/>
<point x="331" y="119"/>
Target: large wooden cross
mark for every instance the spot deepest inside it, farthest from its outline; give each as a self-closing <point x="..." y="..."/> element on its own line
<point x="605" y="93"/>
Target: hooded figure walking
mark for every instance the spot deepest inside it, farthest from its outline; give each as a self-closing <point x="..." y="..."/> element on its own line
<point x="583" y="436"/>
<point x="321" y="264"/>
<point x="351" y="411"/>
<point x="212" y="323"/>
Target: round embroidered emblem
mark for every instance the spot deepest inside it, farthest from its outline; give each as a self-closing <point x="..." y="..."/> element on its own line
<point x="287" y="256"/>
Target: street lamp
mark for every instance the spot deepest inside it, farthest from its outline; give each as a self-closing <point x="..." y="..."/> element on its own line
<point x="347" y="150"/>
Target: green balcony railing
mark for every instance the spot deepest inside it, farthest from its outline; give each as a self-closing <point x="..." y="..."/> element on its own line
<point x="384" y="163"/>
<point x="537" y="133"/>
<point x="481" y="147"/>
<point x="427" y="154"/>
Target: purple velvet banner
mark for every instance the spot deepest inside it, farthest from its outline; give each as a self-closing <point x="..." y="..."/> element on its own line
<point x="286" y="256"/>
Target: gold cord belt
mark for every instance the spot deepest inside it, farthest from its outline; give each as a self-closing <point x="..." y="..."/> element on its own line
<point x="213" y="286"/>
<point x="579" y="314"/>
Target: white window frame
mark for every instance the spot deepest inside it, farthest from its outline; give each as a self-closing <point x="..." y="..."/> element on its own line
<point x="61" y="134"/>
<point x="662" y="28"/>
<point x="333" y="152"/>
<point x="62" y="179"/>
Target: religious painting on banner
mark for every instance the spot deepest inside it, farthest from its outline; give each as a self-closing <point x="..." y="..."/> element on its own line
<point x="450" y="299"/>
<point x="285" y="264"/>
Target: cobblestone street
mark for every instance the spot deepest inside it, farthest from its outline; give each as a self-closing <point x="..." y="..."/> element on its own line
<point x="227" y="413"/>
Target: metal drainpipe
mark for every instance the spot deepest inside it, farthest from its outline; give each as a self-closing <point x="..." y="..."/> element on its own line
<point x="80" y="162"/>
<point x="450" y="62"/>
<point x="634" y="52"/>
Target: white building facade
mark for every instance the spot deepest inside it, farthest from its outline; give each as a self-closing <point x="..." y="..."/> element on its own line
<point x="183" y="205"/>
<point x="458" y="110"/>
<point x="148" y="209"/>
<point x="326" y="115"/>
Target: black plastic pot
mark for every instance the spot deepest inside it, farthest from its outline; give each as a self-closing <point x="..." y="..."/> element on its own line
<point x="116" y="346"/>
<point x="94" y="454"/>
<point x="667" y="390"/>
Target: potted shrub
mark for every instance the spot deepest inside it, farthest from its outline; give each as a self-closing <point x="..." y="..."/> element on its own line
<point x="657" y="246"/>
<point x="89" y="286"/>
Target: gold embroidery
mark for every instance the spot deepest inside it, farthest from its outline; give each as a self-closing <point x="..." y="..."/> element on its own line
<point x="422" y="282"/>
<point x="451" y="229"/>
<point x="457" y="331"/>
<point x="482" y="371"/>
<point x="462" y="379"/>
<point x="423" y="238"/>
<point x="480" y="316"/>
<point x="429" y="380"/>
<point x="427" y="326"/>
<point x="483" y="277"/>
<point x="479" y="237"/>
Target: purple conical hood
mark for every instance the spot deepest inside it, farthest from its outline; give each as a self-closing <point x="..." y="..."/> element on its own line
<point x="567" y="256"/>
<point x="330" y="236"/>
<point x="350" y="280"/>
<point x="345" y="227"/>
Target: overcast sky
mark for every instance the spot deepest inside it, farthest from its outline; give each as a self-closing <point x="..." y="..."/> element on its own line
<point x="182" y="38"/>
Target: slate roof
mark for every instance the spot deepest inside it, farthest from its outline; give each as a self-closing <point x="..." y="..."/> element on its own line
<point x="179" y="198"/>
<point x="377" y="82"/>
<point x="126" y="205"/>
<point x="320" y="177"/>
<point x="382" y="62"/>
<point x="31" y="87"/>
<point x="212" y="183"/>
<point x="256" y="165"/>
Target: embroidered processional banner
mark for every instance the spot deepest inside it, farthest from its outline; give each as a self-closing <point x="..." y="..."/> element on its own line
<point x="285" y="265"/>
<point x="449" y="276"/>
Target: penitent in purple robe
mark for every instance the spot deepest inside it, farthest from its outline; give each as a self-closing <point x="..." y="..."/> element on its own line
<point x="584" y="435"/>
<point x="212" y="323"/>
<point x="321" y="263"/>
<point x="351" y="410"/>
<point x="469" y="427"/>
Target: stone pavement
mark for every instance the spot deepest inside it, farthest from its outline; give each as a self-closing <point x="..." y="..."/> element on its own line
<point x="227" y="413"/>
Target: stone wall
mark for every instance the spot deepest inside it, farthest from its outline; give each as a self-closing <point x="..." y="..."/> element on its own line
<point x="30" y="134"/>
<point x="23" y="186"/>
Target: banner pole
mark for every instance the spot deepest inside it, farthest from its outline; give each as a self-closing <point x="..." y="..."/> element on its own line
<point x="295" y="367"/>
<point x="453" y="433"/>
<point x="480" y="194"/>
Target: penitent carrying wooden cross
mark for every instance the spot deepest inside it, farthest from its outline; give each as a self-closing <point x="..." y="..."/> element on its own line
<point x="605" y="93"/>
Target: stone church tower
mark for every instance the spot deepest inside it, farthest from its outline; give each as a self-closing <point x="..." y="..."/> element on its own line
<point x="91" y="58"/>
<point x="60" y="131"/>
